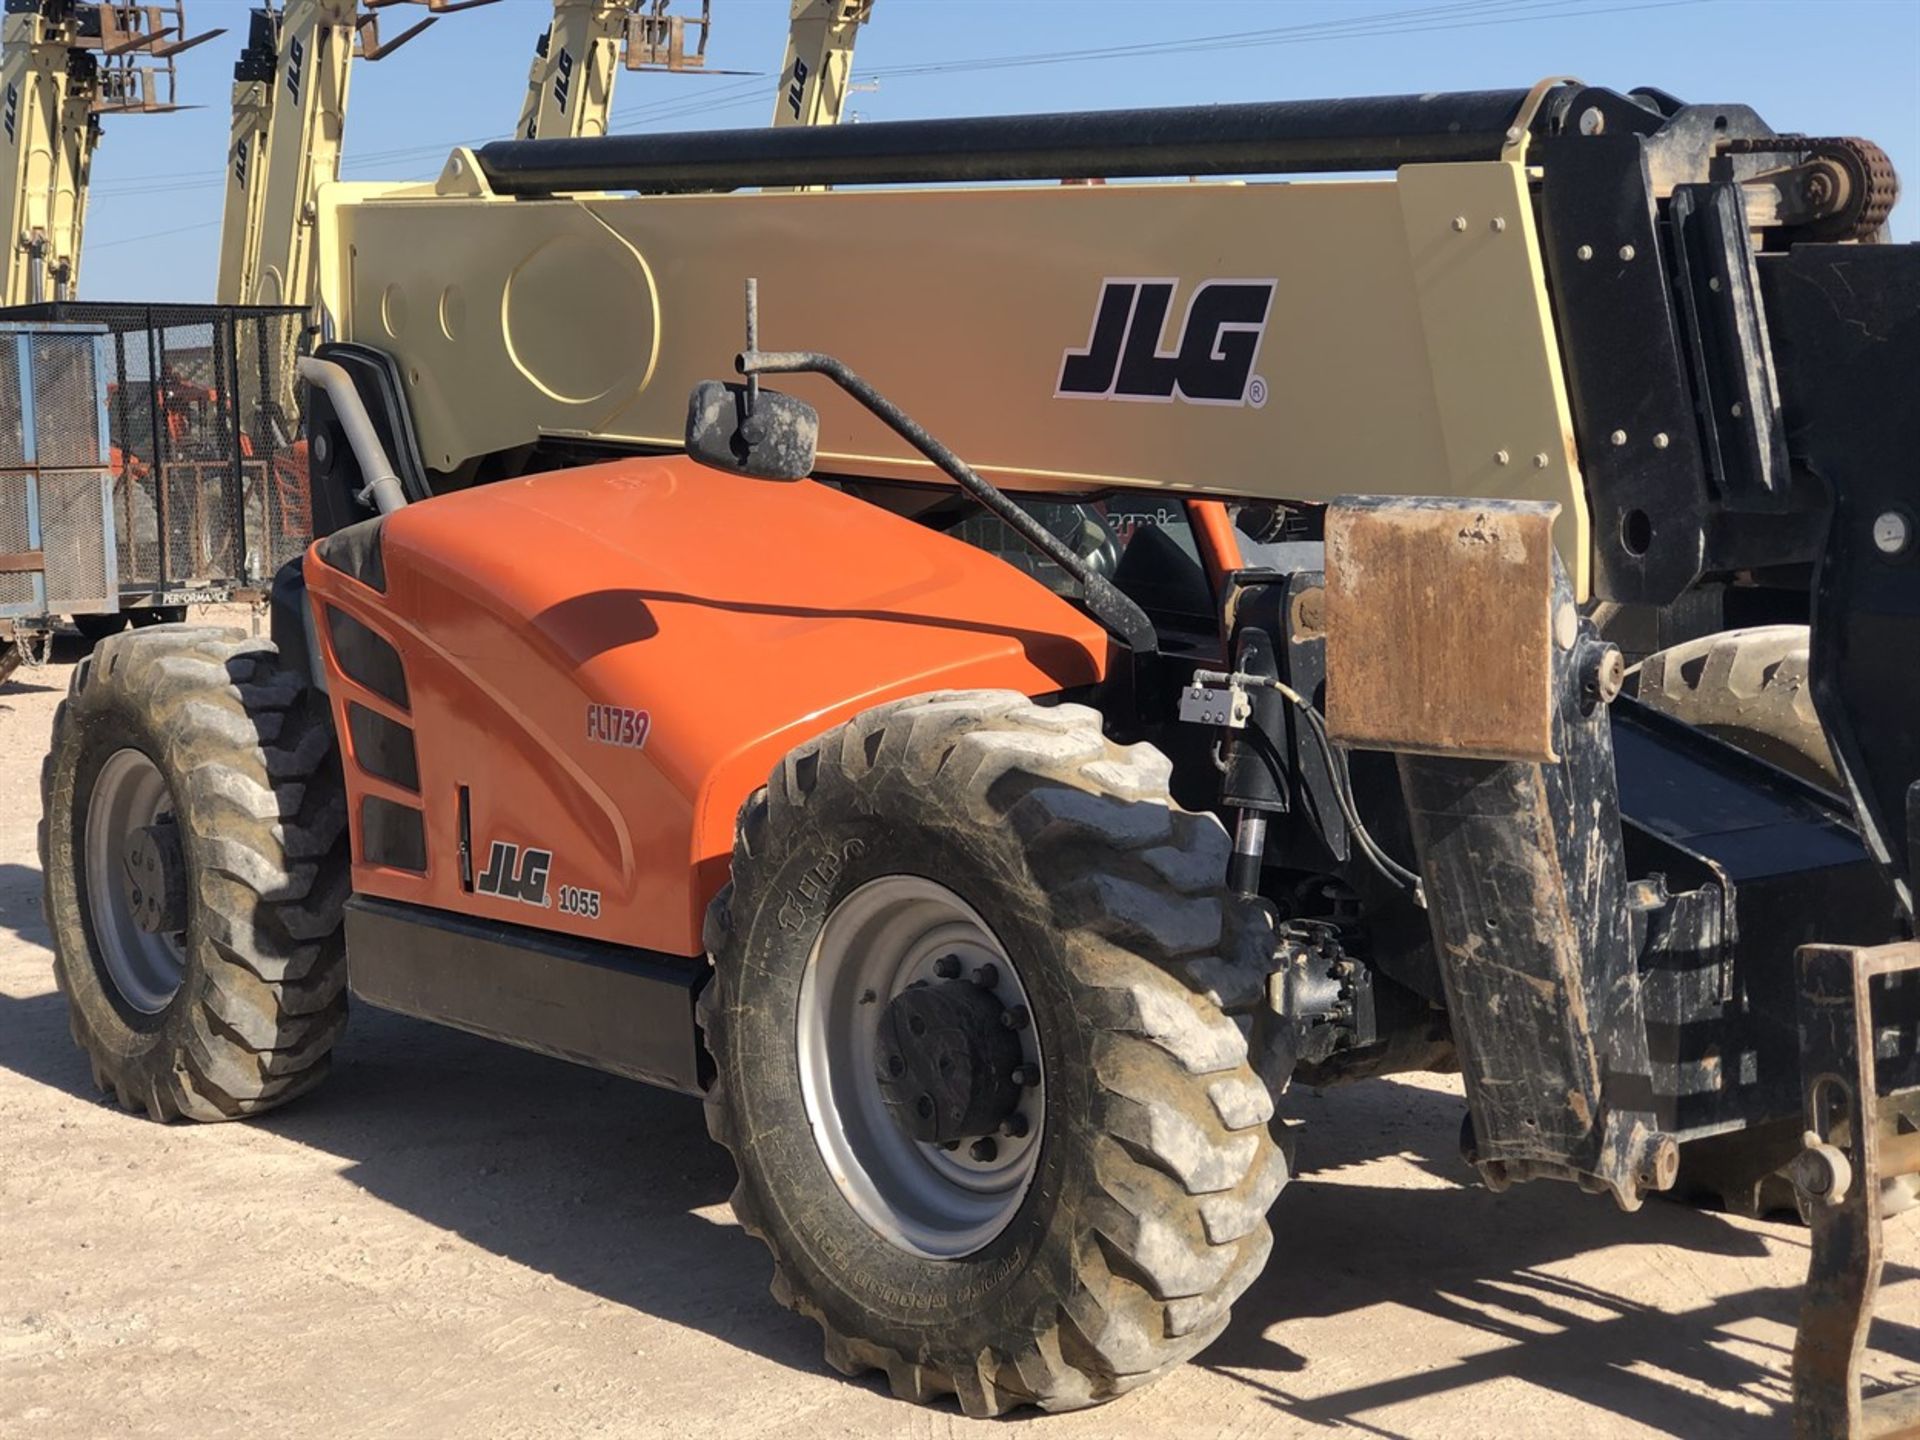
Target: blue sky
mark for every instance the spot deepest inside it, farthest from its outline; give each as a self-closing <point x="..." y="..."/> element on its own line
<point x="1848" y="67"/>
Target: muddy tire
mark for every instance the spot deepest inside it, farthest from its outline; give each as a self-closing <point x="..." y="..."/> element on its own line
<point x="186" y="761"/>
<point x="1750" y="688"/>
<point x="1140" y="1215"/>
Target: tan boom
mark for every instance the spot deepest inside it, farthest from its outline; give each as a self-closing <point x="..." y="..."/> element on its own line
<point x="819" y="60"/>
<point x="66" y="65"/>
<point x="592" y="316"/>
<point x="570" y="88"/>
<point x="289" y="112"/>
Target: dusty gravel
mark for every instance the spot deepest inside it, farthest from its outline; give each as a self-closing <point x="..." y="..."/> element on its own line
<point x="454" y="1238"/>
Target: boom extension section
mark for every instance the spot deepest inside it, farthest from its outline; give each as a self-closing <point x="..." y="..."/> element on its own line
<point x="819" y="62"/>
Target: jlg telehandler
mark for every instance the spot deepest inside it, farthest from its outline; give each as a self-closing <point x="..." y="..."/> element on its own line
<point x="1341" y="661"/>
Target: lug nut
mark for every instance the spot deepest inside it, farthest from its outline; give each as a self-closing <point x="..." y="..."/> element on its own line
<point x="947" y="967"/>
<point x="1016" y="1019"/>
<point x="1015" y="1126"/>
<point x="1025" y="1076"/>
<point x="984" y="1150"/>
<point x="987" y="976"/>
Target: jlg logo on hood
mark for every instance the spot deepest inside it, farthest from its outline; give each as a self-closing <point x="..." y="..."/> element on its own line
<point x="1212" y="363"/>
<point x="516" y="874"/>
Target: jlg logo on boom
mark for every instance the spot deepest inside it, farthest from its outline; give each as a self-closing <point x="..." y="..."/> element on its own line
<point x="1211" y="362"/>
<point x="797" y="87"/>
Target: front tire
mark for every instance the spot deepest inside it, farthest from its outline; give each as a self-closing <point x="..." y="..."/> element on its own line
<point x="192" y="844"/>
<point x="1752" y="688"/>
<point x="960" y="831"/>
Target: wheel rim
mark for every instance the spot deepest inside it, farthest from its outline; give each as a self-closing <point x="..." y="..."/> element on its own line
<point x="145" y="966"/>
<point x="893" y="933"/>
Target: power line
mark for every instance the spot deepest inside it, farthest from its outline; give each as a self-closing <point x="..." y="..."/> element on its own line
<point x="152" y="235"/>
<point x="1424" y="19"/>
<point x="1389" y="22"/>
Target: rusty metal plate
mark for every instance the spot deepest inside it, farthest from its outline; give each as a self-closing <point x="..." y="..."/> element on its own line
<point x="1441" y="626"/>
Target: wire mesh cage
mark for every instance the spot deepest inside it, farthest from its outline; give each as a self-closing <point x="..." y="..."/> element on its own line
<point x="204" y="444"/>
<point x="57" y="546"/>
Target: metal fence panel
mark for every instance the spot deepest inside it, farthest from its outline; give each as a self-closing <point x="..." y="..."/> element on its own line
<point x="13" y="422"/>
<point x="19" y="593"/>
<point x="66" y="400"/>
<point x="76" y="536"/>
<point x="209" y="468"/>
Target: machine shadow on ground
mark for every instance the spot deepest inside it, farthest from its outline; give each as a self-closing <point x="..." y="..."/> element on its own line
<point x="1468" y="1257"/>
<point x="609" y="1187"/>
<point x="49" y="678"/>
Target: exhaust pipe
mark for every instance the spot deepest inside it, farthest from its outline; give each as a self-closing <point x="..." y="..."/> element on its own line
<point x="383" y="490"/>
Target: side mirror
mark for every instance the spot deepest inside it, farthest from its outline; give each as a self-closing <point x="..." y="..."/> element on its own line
<point x="773" y="441"/>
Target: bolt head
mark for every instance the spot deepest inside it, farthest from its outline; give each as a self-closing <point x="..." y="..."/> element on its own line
<point x="1592" y="121"/>
<point x="1823" y="1173"/>
<point x="947" y="967"/>
<point x="1609" y="675"/>
<point x="1460" y="223"/>
<point x="1498" y="224"/>
<point x="1540" y="460"/>
<point x="1619" y="437"/>
<point x="1585" y="252"/>
<point x="1662" y="440"/>
<point x="1627" y="252"/>
<point x="987" y="976"/>
<point x="1892" y="533"/>
<point x="1501" y="457"/>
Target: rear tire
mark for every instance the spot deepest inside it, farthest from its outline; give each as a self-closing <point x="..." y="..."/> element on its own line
<point x="1143" y="1216"/>
<point x="201" y="734"/>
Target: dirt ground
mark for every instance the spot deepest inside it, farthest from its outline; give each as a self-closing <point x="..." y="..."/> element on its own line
<point x="454" y="1238"/>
